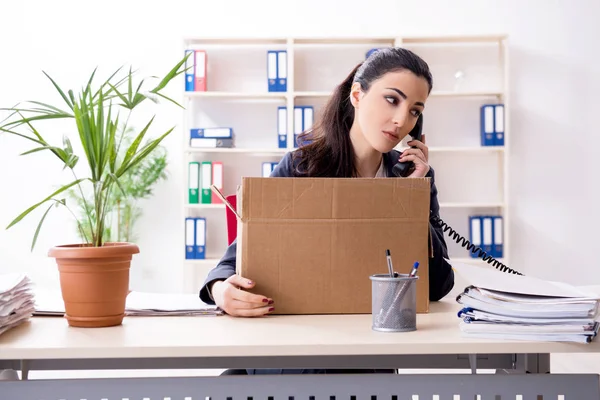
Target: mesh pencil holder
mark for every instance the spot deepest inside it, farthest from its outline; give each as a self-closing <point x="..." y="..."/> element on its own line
<point x="394" y="302"/>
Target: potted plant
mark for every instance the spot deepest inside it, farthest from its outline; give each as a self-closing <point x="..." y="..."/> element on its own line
<point x="94" y="275"/>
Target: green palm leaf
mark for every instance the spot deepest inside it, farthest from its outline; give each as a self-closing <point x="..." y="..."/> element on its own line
<point x="96" y="127"/>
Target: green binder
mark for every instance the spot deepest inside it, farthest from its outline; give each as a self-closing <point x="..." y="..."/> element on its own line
<point x="206" y="181"/>
<point x="193" y="182"/>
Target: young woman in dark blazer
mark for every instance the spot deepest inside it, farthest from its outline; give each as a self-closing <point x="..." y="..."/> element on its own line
<point x="367" y="115"/>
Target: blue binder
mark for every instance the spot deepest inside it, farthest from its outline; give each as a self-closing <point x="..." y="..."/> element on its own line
<point x="282" y="127"/>
<point x="487" y="128"/>
<point x="499" y="125"/>
<point x="190" y="76"/>
<point x="223" y="133"/>
<point x="498" y="237"/>
<point x="303" y="121"/>
<point x="272" y="70"/>
<point x="282" y="71"/>
<point x="487" y="234"/>
<point x="200" y="241"/>
<point x="190" y="238"/>
<point x="277" y="70"/>
<point x="266" y="169"/>
<point x="475" y="233"/>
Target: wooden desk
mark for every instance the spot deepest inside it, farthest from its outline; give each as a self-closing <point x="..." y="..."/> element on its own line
<point x="324" y="341"/>
<point x="272" y="336"/>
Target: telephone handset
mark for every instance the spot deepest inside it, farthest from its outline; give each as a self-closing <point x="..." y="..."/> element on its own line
<point x="403" y="169"/>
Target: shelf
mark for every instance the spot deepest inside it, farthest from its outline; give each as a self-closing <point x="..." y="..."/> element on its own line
<point x="237" y="95"/>
<point x="212" y="261"/>
<point x="341" y="42"/>
<point x="494" y="39"/>
<point x="356" y="41"/>
<point x="237" y="150"/>
<point x="312" y="94"/>
<point x="325" y="93"/>
<point x="438" y="93"/>
<point x="467" y="149"/>
<point x="450" y="93"/>
<point x="204" y="206"/>
<point x="235" y="42"/>
<point x="263" y="151"/>
<point x="470" y="205"/>
<point x="240" y="98"/>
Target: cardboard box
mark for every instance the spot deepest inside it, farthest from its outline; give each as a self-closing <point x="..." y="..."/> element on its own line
<point x="311" y="244"/>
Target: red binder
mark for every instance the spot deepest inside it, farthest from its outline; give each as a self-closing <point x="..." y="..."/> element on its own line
<point x="200" y="71"/>
<point x="231" y="219"/>
<point x="217" y="180"/>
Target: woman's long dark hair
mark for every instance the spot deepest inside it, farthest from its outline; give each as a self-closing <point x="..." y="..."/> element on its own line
<point x="326" y="149"/>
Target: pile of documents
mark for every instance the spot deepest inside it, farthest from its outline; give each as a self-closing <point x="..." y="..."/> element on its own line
<point x="507" y="306"/>
<point x="16" y="300"/>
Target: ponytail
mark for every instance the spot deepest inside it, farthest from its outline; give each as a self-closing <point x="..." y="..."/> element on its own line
<point x="329" y="152"/>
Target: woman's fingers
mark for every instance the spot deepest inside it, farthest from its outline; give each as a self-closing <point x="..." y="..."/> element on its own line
<point x="240" y="281"/>
<point x="251" y="312"/>
<point x="243" y="305"/>
<point x="421" y="167"/>
<point x="416" y="152"/>
<point x="255" y="300"/>
<point x="421" y="146"/>
<point x="235" y="301"/>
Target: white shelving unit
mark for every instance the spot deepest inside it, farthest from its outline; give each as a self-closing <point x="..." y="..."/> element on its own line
<point x="467" y="72"/>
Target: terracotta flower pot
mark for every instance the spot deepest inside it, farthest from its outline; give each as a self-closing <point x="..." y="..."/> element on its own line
<point x="94" y="282"/>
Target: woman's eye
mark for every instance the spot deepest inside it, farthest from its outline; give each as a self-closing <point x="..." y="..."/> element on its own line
<point x="416" y="113"/>
<point x="391" y="100"/>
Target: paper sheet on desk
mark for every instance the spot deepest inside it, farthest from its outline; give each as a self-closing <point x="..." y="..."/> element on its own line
<point x="137" y="304"/>
<point x="49" y="303"/>
<point x="145" y="304"/>
<point x="488" y="277"/>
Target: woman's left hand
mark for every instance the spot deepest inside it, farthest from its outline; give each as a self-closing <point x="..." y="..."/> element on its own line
<point x="418" y="156"/>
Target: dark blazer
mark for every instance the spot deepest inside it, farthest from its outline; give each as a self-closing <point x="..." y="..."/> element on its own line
<point x="441" y="276"/>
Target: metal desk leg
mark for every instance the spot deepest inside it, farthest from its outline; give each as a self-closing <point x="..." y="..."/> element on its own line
<point x="24" y="370"/>
<point x="473" y="363"/>
<point x="528" y="364"/>
<point x="533" y="363"/>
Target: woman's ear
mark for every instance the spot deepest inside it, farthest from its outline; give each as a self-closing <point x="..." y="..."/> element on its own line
<point x="355" y="94"/>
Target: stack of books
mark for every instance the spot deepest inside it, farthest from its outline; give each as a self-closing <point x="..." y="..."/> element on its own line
<point x="499" y="305"/>
<point x="17" y="302"/>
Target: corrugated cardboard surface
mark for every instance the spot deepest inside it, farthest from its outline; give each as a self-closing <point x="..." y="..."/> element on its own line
<point x="312" y="243"/>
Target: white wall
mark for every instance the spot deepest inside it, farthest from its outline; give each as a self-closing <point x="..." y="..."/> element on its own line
<point x="555" y="81"/>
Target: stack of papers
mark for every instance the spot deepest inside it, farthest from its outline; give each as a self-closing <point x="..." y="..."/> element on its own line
<point x="507" y="306"/>
<point x="137" y="304"/>
<point x="16" y="300"/>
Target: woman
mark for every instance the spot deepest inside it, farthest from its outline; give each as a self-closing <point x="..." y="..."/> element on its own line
<point x="368" y="114"/>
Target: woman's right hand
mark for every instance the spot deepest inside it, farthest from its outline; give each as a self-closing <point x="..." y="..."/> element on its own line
<point x="231" y="298"/>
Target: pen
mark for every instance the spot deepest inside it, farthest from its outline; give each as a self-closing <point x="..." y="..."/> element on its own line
<point x="388" y="256"/>
<point x="414" y="270"/>
<point x="401" y="292"/>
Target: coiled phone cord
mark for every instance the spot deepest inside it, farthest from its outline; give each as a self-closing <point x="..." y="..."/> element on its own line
<point x="471" y="247"/>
